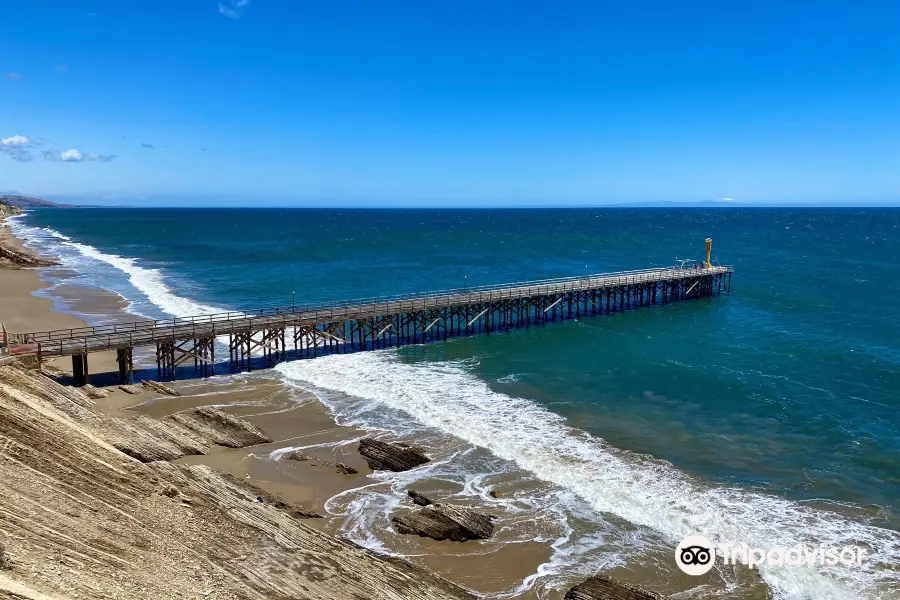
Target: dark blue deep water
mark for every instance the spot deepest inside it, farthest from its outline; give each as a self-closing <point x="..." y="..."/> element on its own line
<point x="789" y="387"/>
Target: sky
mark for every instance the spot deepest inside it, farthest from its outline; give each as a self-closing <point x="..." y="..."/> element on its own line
<point x="434" y="102"/>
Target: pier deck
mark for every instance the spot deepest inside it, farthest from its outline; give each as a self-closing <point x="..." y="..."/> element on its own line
<point x="371" y="323"/>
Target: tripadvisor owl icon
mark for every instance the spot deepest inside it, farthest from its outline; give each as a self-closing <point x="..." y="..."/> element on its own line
<point x="695" y="555"/>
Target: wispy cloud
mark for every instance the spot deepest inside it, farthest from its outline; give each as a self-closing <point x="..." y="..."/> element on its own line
<point x="17" y="147"/>
<point x="146" y="145"/>
<point x="14" y="76"/>
<point x="21" y="148"/>
<point x="93" y="15"/>
<point x="76" y="156"/>
<point x="233" y="8"/>
<point x="61" y="67"/>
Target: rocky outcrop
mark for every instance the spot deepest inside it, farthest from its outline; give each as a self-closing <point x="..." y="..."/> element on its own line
<point x="341" y="468"/>
<point x="298" y="456"/>
<point x="247" y="492"/>
<point x="51" y="371"/>
<point x="140" y="437"/>
<point x="345" y="469"/>
<point x="382" y="456"/>
<point x="159" y="387"/>
<point x="420" y="499"/>
<point x="94" y="393"/>
<point x="443" y="521"/>
<point x="607" y="588"/>
<point x="83" y="520"/>
<point x="14" y="257"/>
<point x="221" y="428"/>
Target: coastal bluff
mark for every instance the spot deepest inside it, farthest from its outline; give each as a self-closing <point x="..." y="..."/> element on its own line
<point x="12" y="256"/>
<point x="91" y="510"/>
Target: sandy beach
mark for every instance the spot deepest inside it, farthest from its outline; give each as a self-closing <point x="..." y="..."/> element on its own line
<point x="297" y="420"/>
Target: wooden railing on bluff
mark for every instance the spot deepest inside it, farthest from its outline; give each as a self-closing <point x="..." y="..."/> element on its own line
<point x="372" y="323"/>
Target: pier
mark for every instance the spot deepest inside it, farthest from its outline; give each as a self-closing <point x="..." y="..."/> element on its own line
<point x="294" y="332"/>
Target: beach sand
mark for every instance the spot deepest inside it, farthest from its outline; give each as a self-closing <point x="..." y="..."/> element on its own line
<point x="297" y="419"/>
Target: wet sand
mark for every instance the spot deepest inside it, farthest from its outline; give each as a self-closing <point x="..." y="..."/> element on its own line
<point x="297" y="419"/>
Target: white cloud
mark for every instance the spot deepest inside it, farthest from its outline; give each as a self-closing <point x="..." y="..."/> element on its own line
<point x="233" y="8"/>
<point x="72" y="155"/>
<point x="17" y="147"/>
<point x="15" y="140"/>
<point x="22" y="148"/>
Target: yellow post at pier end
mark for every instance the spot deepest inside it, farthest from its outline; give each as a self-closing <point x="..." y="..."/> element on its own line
<point x="708" y="251"/>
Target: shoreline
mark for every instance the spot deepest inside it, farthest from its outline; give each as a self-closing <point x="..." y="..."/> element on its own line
<point x="297" y="422"/>
<point x="298" y="419"/>
<point x="25" y="305"/>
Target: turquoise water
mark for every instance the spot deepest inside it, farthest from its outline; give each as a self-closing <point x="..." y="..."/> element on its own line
<point x="785" y="391"/>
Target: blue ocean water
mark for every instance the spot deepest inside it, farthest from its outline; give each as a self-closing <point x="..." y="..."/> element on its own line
<point x="769" y="415"/>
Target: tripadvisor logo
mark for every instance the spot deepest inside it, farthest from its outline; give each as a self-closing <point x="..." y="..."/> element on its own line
<point x="695" y="555"/>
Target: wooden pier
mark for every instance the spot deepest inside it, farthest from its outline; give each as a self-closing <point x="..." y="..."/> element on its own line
<point x="277" y="334"/>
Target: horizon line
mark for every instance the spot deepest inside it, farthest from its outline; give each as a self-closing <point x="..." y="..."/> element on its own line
<point x="358" y="206"/>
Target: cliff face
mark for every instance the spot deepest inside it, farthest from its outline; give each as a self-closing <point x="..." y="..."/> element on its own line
<point x="8" y="210"/>
<point x="83" y="519"/>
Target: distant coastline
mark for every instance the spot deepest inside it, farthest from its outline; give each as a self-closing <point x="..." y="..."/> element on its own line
<point x="26" y="201"/>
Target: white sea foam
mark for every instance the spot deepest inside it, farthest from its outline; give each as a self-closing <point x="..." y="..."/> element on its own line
<point x="511" y="378"/>
<point x="150" y="282"/>
<point x="645" y="492"/>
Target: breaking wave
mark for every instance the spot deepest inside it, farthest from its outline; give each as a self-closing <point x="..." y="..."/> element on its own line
<point x="641" y="490"/>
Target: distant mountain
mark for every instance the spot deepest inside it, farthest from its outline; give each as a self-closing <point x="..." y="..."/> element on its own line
<point x="20" y="201"/>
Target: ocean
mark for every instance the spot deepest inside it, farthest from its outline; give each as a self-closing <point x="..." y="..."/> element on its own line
<point x="768" y="417"/>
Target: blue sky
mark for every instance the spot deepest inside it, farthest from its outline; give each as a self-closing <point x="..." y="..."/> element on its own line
<point x="438" y="102"/>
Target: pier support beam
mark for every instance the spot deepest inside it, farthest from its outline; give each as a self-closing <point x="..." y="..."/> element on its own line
<point x="165" y="360"/>
<point x="124" y="356"/>
<point x="80" y="374"/>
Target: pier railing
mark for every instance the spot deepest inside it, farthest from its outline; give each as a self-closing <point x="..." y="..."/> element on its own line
<point x="319" y="311"/>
